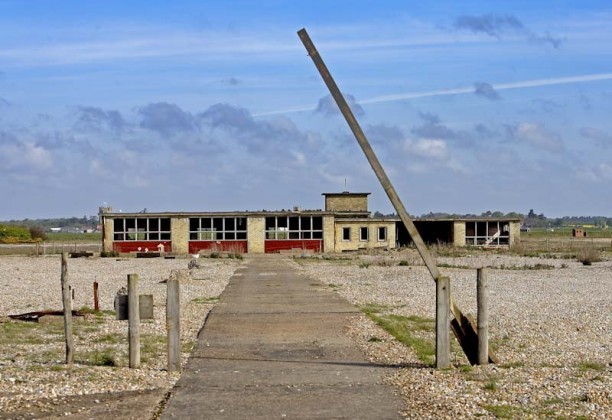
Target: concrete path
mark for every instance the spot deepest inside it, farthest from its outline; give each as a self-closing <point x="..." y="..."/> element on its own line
<point x="275" y="347"/>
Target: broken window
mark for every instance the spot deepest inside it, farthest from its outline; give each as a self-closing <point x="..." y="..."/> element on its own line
<point x="487" y="233"/>
<point x="217" y="228"/>
<point x="142" y="229"/>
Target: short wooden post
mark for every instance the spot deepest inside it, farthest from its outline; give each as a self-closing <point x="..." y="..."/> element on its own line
<point x="442" y="322"/>
<point x="133" y="321"/>
<point x="482" y="302"/>
<point x="96" y="296"/>
<point x="173" y="325"/>
<point x="67" y="311"/>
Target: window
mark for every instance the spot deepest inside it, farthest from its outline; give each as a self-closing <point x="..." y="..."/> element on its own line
<point x="363" y="234"/>
<point x="346" y="234"/>
<point x="382" y="233"/>
<point x="142" y="229"/>
<point x="487" y="233"/>
<point x="294" y="227"/>
<point x="217" y="228"/>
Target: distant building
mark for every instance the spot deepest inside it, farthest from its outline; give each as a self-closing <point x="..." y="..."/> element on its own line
<point x="56" y="229"/>
<point x="344" y="225"/>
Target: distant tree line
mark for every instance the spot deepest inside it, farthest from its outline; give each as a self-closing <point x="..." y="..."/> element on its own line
<point x="531" y="219"/>
<point x="66" y="223"/>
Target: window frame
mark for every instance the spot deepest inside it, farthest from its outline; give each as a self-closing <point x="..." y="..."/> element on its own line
<point x="218" y="228"/>
<point x="345" y="230"/>
<point x="133" y="229"/>
<point x="384" y="236"/>
<point x="363" y="229"/>
<point x="284" y="227"/>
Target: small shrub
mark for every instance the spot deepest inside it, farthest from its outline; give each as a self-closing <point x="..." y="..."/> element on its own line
<point x="588" y="256"/>
<point x="364" y="265"/>
<point x="215" y="254"/>
<point x="403" y="263"/>
<point x="109" y="254"/>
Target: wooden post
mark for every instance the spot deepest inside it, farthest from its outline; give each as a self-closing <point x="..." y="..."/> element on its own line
<point x="67" y="311"/>
<point x="133" y="321"/>
<point x="173" y="325"/>
<point x="443" y="323"/>
<point x="482" y="301"/>
<point x="96" y="297"/>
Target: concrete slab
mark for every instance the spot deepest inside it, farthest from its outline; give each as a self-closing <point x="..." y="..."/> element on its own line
<point x="275" y="346"/>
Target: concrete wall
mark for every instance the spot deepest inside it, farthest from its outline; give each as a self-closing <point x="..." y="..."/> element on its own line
<point x="459" y="233"/>
<point x="107" y="239"/>
<point x="515" y="232"/>
<point x="256" y="234"/>
<point x="346" y="203"/>
<point x="328" y="234"/>
<point x="355" y="243"/>
<point x="179" y="231"/>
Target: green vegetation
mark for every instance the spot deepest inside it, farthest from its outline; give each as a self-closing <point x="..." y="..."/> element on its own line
<point x="14" y="234"/>
<point x="205" y="300"/>
<point x="404" y="328"/>
<point x="74" y="237"/>
<point x="503" y="411"/>
<point x="588" y="255"/>
<point x="585" y="366"/>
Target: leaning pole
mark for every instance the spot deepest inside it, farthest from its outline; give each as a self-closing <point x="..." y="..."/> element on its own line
<point x="462" y="326"/>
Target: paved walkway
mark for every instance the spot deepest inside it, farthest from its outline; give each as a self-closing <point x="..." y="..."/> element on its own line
<point x="275" y="347"/>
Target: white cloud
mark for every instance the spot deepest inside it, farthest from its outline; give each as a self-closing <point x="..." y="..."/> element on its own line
<point x="428" y="148"/>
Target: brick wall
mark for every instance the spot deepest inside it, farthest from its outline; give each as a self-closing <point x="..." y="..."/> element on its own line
<point x="179" y="229"/>
<point x="355" y="243"/>
<point x="256" y="234"/>
<point x="459" y="233"/>
<point x="346" y="203"/>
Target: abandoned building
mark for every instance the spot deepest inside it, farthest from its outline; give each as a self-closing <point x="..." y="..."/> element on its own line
<point x="344" y="225"/>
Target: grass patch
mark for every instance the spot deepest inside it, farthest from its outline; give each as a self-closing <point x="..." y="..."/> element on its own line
<point x="586" y="366"/>
<point x="503" y="411"/>
<point x="491" y="385"/>
<point x="104" y="357"/>
<point x="151" y="345"/>
<point x="402" y="328"/>
<point x="205" y="300"/>
<point x="364" y="265"/>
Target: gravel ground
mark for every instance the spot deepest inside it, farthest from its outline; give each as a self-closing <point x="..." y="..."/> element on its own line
<point x="552" y="328"/>
<point x="32" y="354"/>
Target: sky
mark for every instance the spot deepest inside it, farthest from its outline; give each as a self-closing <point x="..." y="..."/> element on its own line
<point x="214" y="105"/>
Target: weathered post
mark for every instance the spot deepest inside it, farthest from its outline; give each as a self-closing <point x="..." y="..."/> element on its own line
<point x="96" y="296"/>
<point x="133" y="321"/>
<point x="442" y="322"/>
<point x="482" y="302"/>
<point x="173" y="325"/>
<point x="67" y="311"/>
<point x="462" y="326"/>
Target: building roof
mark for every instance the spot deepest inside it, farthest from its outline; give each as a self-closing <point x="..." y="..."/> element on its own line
<point x="345" y="193"/>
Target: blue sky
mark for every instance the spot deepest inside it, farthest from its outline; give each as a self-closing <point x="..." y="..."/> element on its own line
<point x="214" y="105"/>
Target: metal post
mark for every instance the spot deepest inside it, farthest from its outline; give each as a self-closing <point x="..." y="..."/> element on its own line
<point x="482" y="301"/>
<point x="443" y="323"/>
<point x="133" y="321"/>
<point x="67" y="311"/>
<point x="173" y="325"/>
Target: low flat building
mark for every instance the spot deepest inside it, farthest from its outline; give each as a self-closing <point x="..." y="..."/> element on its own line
<point x="345" y="225"/>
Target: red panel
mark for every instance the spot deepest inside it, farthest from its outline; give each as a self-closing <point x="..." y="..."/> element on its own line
<point x="231" y="246"/>
<point x="277" y="245"/>
<point x="132" y="246"/>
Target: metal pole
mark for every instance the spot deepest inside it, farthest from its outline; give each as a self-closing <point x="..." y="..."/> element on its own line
<point x="482" y="301"/>
<point x="67" y="311"/>
<point x="173" y="325"/>
<point x="133" y="321"/>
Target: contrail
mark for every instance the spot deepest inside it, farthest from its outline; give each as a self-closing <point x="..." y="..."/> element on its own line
<point x="459" y="91"/>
